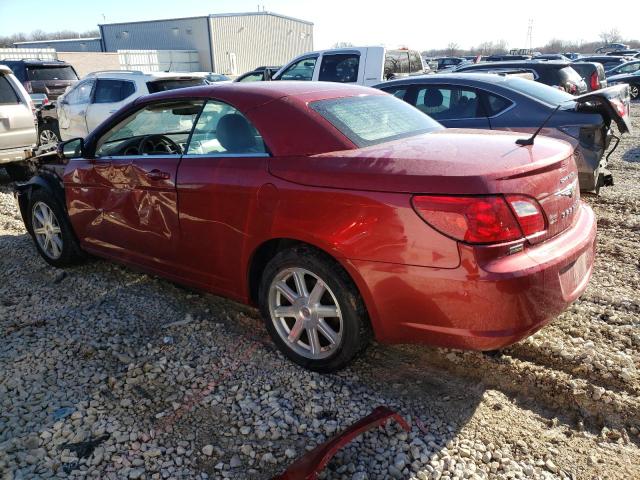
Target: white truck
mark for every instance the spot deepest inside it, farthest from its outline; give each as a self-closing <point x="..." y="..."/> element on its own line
<point x="359" y="65"/>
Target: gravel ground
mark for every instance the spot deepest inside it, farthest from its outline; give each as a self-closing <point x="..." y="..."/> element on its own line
<point x="109" y="373"/>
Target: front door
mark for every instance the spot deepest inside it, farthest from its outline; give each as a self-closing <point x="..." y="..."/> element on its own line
<point x="109" y="96"/>
<point x="217" y="181"/>
<point x="137" y="213"/>
<point x="72" y="111"/>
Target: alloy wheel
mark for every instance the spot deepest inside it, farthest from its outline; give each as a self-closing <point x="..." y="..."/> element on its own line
<point x="305" y="313"/>
<point x="634" y="90"/>
<point x="46" y="229"/>
<point x="48" y="137"/>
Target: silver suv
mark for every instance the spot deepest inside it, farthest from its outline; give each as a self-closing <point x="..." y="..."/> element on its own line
<point x="18" y="135"/>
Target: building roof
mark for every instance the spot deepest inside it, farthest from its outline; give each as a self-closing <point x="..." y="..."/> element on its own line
<point x="212" y="15"/>
<point x="83" y="39"/>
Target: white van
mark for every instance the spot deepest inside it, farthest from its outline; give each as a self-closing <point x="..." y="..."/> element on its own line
<point x="359" y="65"/>
<point x="18" y="134"/>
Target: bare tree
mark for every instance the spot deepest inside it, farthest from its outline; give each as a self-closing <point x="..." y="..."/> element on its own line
<point x="611" y="36"/>
<point x="8" y="41"/>
<point x="453" y="48"/>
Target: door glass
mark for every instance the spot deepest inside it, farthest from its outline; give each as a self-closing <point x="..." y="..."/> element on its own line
<point x="415" y="62"/>
<point x="496" y="104"/>
<point x="301" y="70"/>
<point x="444" y="103"/>
<point x="221" y="129"/>
<point x="158" y="129"/>
<point x="253" y="77"/>
<point x="80" y="94"/>
<point x="8" y="95"/>
<point x="341" y="68"/>
<point x="112" y="91"/>
<point x="398" y="92"/>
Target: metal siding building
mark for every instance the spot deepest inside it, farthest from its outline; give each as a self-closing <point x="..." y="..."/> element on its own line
<point x="256" y="39"/>
<point x="66" y="45"/>
<point x="173" y="34"/>
<point x="227" y="43"/>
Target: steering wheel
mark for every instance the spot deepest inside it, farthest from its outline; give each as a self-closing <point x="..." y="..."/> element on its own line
<point x="158" y="144"/>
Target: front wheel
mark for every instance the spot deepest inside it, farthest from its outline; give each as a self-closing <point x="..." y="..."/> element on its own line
<point x="48" y="135"/>
<point x="312" y="310"/>
<point x="634" y="91"/>
<point x="51" y="231"/>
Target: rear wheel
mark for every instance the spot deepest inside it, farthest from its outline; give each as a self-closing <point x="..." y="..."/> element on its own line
<point x="313" y="310"/>
<point x="634" y="91"/>
<point x="51" y="231"/>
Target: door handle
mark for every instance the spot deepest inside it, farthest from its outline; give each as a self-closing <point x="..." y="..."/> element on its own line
<point x="156" y="174"/>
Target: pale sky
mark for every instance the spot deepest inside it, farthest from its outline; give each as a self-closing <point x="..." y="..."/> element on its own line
<point x="413" y="23"/>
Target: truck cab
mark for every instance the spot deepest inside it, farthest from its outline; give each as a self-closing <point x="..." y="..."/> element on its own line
<point x="357" y="65"/>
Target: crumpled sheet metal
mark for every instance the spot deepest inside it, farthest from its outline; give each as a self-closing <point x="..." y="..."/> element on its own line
<point x="312" y="463"/>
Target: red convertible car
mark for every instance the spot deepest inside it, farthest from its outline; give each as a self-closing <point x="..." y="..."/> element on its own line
<point x="341" y="211"/>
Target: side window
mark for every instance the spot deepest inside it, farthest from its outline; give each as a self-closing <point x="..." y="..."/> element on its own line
<point x="398" y="92"/>
<point x="634" y="67"/>
<point x="157" y="129"/>
<point x="496" y="104"/>
<point x="445" y="103"/>
<point x="341" y="68"/>
<point x="113" y="91"/>
<point x="253" y="77"/>
<point x="415" y="62"/>
<point x="301" y="70"/>
<point x="80" y="94"/>
<point x="221" y="129"/>
<point x="8" y="95"/>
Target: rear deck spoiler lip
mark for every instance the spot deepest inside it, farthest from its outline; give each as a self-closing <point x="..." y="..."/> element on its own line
<point x="603" y="98"/>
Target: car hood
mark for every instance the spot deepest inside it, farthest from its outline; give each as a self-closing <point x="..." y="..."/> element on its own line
<point x="612" y="102"/>
<point x="446" y="161"/>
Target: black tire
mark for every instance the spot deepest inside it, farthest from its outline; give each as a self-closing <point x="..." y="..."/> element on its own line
<point x="70" y="253"/>
<point x="48" y="130"/>
<point x="18" y="172"/>
<point x="356" y="330"/>
<point x="634" y="91"/>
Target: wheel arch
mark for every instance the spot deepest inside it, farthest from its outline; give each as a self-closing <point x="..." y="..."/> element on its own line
<point x="265" y="251"/>
<point x="43" y="181"/>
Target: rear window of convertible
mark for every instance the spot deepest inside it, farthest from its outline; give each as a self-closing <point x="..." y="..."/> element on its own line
<point x="372" y="119"/>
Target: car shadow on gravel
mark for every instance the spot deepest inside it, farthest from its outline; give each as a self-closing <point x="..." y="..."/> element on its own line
<point x="632" y="155"/>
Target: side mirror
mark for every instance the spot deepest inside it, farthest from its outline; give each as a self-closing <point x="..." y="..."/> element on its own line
<point x="73" y="148"/>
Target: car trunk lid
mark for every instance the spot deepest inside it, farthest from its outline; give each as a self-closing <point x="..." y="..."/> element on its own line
<point x="613" y="103"/>
<point x="451" y="162"/>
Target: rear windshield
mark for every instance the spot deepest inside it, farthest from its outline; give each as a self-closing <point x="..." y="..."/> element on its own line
<point x="51" y="73"/>
<point x="539" y="91"/>
<point x="373" y="119"/>
<point x="164" y="85"/>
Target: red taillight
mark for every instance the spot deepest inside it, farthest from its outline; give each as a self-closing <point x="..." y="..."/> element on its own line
<point x="594" y="81"/>
<point x="528" y="213"/>
<point x="27" y="86"/>
<point x="481" y="220"/>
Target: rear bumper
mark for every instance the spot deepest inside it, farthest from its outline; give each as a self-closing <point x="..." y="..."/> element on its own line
<point x="16" y="154"/>
<point x="480" y="307"/>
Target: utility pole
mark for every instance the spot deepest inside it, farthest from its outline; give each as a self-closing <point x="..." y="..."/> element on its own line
<point x="529" y="40"/>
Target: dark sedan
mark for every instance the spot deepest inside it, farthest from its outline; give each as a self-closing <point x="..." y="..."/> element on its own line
<point x="624" y="68"/>
<point x="550" y="72"/>
<point x="503" y="102"/>
<point x="632" y="79"/>
<point x="607" y="61"/>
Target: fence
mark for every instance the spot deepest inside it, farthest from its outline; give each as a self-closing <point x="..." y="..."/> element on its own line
<point x="160" y="60"/>
<point x="30" y="53"/>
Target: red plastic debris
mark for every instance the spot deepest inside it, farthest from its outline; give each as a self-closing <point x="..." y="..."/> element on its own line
<point x="311" y="464"/>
